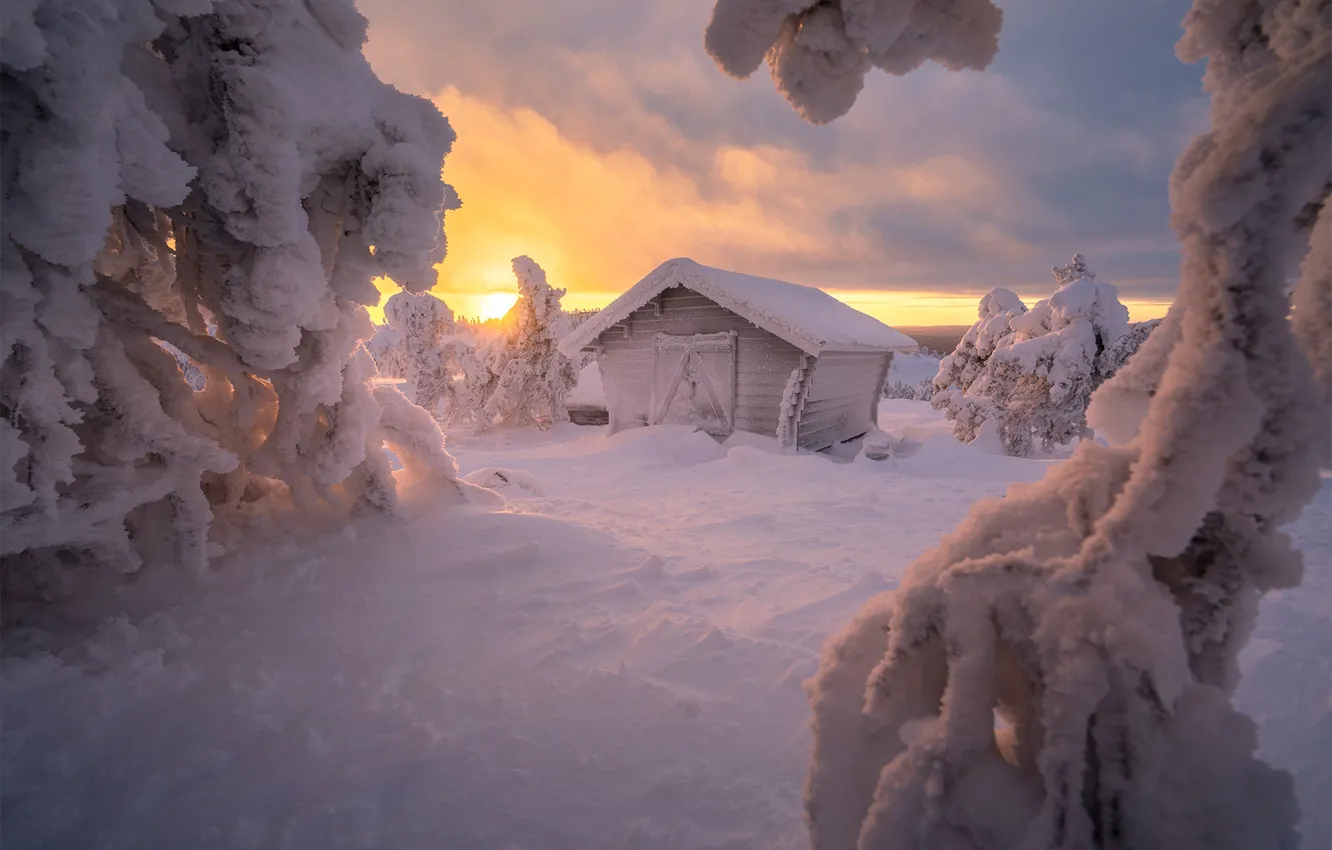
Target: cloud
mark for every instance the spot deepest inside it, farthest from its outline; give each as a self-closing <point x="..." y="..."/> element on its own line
<point x="598" y="220"/>
<point x="596" y="136"/>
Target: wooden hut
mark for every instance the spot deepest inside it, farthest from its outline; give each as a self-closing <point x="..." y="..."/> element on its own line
<point x="730" y="352"/>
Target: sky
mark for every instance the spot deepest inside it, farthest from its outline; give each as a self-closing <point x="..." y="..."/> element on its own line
<point x="598" y="138"/>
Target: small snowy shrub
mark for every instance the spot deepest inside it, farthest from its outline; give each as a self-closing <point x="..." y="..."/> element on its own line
<point x="1099" y="613"/>
<point x="925" y="390"/>
<point x="899" y="390"/>
<point x="466" y="394"/>
<point x="922" y="391"/>
<point x="529" y="378"/>
<point x="175" y="167"/>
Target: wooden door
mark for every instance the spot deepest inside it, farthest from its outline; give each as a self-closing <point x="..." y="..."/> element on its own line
<point x="694" y="381"/>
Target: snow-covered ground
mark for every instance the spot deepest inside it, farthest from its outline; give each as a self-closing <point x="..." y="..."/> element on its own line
<point x="613" y="659"/>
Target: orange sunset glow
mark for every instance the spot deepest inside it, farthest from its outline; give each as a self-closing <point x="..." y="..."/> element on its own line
<point x="597" y="221"/>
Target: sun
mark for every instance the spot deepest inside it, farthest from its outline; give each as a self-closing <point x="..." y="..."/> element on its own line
<point x="495" y="304"/>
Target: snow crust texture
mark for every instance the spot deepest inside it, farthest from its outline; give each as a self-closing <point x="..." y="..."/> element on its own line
<point x="226" y="177"/>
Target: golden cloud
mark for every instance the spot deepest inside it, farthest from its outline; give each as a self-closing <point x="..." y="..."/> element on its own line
<point x="597" y="221"/>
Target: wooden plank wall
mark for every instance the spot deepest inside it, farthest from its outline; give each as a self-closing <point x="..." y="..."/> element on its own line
<point x="763" y="361"/>
<point x="843" y="397"/>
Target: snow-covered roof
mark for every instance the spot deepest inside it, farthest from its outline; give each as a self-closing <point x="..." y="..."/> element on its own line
<point x="808" y="318"/>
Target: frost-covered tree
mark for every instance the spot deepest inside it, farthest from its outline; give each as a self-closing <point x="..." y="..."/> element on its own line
<point x="438" y="356"/>
<point x="970" y="360"/>
<point x="466" y="402"/>
<point x="1032" y="373"/>
<point x="1099" y="612"/>
<point x="925" y="389"/>
<point x="529" y="377"/>
<point x="1043" y="380"/>
<point x="168" y="166"/>
<point x="415" y="343"/>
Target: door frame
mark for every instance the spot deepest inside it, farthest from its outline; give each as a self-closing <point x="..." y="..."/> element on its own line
<point x="725" y="342"/>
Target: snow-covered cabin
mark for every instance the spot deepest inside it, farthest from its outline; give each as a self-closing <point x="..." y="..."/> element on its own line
<point x="731" y="352"/>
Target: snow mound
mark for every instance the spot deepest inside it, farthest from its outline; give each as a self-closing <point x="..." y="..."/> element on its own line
<point x="497" y="478"/>
<point x="747" y="441"/>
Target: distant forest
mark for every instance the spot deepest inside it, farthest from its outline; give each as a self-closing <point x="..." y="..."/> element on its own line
<point x="941" y="338"/>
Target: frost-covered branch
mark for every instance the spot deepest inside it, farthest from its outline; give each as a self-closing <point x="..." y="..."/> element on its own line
<point x="225" y="177"/>
<point x="819" y="51"/>
<point x="1099" y="613"/>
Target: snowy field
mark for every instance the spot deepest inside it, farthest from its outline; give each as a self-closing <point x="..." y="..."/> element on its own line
<point x="913" y="368"/>
<point x="613" y="658"/>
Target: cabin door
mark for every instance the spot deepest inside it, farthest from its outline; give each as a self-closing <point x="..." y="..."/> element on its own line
<point x="694" y="381"/>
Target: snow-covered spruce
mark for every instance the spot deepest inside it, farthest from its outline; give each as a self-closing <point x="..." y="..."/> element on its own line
<point x="970" y="360"/>
<point x="421" y="344"/>
<point x="819" y="51"/>
<point x="1100" y="611"/>
<point x="1033" y="373"/>
<point x="1041" y="382"/>
<point x="171" y="166"/>
<point x="529" y="378"/>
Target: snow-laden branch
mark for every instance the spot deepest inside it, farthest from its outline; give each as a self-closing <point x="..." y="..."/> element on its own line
<point x="819" y="51"/>
<point x="1099" y="613"/>
<point x="227" y="177"/>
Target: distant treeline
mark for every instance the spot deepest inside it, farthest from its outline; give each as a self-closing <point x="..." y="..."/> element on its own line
<point x="940" y="339"/>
